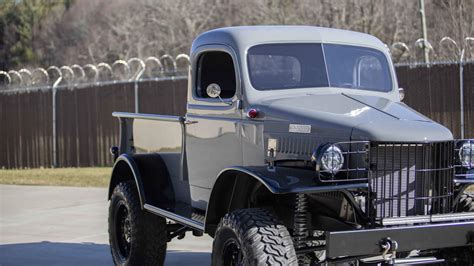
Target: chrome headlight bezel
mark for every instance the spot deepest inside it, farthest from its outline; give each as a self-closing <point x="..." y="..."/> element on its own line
<point x="329" y="159"/>
<point x="466" y="154"/>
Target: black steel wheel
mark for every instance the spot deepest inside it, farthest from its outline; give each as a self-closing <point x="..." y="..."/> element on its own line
<point x="252" y="237"/>
<point x="135" y="236"/>
<point x="122" y="229"/>
<point x="232" y="252"/>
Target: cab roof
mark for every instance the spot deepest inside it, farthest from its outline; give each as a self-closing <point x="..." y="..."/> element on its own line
<point x="243" y="37"/>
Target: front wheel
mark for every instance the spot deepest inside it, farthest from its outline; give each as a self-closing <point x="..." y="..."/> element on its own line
<point x="136" y="237"/>
<point x="252" y="237"/>
<point x="465" y="203"/>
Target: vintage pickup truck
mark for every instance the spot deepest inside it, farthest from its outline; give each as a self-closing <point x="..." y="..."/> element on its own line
<point x="295" y="149"/>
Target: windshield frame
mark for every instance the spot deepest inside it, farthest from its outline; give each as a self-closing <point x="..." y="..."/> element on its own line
<point x="391" y="79"/>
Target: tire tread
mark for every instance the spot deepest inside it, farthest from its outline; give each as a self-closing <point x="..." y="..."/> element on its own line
<point x="149" y="236"/>
<point x="466" y="203"/>
<point x="265" y="239"/>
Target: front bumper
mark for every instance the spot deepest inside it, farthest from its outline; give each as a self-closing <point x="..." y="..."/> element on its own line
<point x="419" y="237"/>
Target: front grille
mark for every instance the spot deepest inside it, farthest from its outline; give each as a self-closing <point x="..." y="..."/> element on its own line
<point x="409" y="179"/>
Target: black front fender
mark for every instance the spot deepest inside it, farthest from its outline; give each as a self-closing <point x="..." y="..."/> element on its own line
<point x="235" y="185"/>
<point x="284" y="180"/>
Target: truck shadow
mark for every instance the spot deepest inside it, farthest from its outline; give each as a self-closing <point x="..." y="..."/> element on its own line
<point x="55" y="253"/>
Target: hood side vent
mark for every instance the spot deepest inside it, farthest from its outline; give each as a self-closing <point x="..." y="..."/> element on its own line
<point x="298" y="146"/>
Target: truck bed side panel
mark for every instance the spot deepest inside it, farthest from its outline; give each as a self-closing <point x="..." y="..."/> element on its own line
<point x="166" y="139"/>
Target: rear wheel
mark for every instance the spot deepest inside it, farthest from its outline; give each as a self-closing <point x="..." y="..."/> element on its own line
<point x="136" y="237"/>
<point x="252" y="237"/>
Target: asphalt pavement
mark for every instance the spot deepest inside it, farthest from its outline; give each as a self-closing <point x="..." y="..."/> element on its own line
<point x="42" y="225"/>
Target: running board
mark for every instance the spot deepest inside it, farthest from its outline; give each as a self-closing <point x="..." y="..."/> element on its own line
<point x="418" y="261"/>
<point x="175" y="217"/>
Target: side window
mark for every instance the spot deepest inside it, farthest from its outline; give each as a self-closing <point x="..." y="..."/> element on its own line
<point x="216" y="67"/>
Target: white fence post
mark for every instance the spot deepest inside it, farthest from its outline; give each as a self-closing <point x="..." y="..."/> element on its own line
<point x="137" y="77"/>
<point x="55" y="133"/>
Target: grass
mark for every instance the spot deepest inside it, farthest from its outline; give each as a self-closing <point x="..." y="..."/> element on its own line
<point x="77" y="177"/>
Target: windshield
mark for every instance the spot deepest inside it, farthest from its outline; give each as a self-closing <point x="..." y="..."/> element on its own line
<point x="306" y="65"/>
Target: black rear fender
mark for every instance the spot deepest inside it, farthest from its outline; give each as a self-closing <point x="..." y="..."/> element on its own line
<point x="150" y="175"/>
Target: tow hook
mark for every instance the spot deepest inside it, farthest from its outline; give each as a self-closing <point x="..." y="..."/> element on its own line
<point x="388" y="247"/>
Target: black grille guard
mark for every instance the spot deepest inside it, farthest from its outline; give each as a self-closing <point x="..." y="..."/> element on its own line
<point x="422" y="219"/>
<point x="420" y="237"/>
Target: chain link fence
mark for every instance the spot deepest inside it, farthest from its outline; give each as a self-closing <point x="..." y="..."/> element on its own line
<point x="445" y="51"/>
<point x="61" y="116"/>
<point x="76" y="76"/>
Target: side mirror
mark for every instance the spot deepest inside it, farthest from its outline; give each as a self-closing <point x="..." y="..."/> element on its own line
<point x="213" y="90"/>
<point x="401" y="91"/>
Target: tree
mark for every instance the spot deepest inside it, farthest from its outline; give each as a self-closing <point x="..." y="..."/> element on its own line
<point x="92" y="31"/>
<point x="20" y="24"/>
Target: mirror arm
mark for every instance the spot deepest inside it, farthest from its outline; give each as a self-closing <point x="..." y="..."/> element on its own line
<point x="228" y="103"/>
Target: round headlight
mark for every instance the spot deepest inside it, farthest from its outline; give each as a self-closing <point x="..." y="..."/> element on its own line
<point x="466" y="154"/>
<point x="332" y="159"/>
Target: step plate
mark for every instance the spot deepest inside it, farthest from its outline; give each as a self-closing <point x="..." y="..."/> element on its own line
<point x="181" y="216"/>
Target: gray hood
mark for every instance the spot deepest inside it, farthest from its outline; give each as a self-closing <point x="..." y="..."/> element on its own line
<point x="356" y="117"/>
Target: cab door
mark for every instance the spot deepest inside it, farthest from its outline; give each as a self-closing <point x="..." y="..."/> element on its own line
<point x="213" y="140"/>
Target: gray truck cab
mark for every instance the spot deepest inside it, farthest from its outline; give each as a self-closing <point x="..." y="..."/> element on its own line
<point x="295" y="133"/>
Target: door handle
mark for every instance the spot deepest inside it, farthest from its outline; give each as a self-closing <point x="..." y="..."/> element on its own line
<point x="189" y="122"/>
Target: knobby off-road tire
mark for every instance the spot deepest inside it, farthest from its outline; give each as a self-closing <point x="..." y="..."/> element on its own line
<point x="136" y="237"/>
<point x="466" y="203"/>
<point x="464" y="256"/>
<point x="252" y="237"/>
